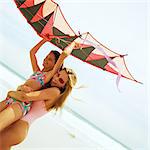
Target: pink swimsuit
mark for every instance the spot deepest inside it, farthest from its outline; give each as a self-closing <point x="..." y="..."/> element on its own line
<point x="37" y="110"/>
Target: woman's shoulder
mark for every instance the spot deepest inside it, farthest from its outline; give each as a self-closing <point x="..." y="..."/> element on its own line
<point x="52" y="91"/>
<point x="53" y="94"/>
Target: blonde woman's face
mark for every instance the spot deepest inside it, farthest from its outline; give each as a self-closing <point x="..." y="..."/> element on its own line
<point x="49" y="61"/>
<point x="59" y="79"/>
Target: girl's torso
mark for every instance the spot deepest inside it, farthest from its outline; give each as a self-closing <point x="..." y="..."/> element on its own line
<point x="36" y="80"/>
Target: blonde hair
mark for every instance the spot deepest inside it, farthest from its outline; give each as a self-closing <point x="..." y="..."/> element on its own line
<point x="72" y="79"/>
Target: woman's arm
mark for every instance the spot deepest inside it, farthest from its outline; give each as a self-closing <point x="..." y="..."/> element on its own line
<point x="46" y="94"/>
<point x="19" y="95"/>
<point x="67" y="51"/>
<point x="24" y="88"/>
<point x="33" y="51"/>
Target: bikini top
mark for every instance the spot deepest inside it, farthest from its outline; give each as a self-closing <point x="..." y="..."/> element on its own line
<point x="39" y="76"/>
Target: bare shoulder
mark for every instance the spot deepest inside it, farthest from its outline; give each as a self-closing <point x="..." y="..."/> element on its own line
<point x="53" y="94"/>
<point x="52" y="91"/>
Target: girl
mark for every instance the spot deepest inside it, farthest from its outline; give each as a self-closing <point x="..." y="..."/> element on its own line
<point x="18" y="108"/>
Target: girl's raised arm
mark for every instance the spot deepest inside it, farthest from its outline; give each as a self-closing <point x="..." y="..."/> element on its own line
<point x="33" y="59"/>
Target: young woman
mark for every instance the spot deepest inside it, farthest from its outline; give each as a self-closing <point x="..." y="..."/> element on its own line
<point x="18" y="108"/>
<point x="45" y="100"/>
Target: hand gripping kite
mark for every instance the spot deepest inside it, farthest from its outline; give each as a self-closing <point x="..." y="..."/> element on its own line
<point x="47" y="19"/>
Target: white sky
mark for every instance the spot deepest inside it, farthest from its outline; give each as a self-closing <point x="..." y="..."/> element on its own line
<point x="121" y="26"/>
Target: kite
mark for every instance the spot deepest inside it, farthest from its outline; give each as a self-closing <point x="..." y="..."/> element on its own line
<point x="47" y="19"/>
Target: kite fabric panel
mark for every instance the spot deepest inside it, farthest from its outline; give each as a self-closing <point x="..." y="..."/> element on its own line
<point x="47" y="19"/>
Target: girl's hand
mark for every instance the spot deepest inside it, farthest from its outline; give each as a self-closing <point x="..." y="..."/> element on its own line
<point x="77" y="45"/>
<point x="69" y="48"/>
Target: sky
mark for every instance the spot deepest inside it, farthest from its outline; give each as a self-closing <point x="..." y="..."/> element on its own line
<point x="121" y="26"/>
